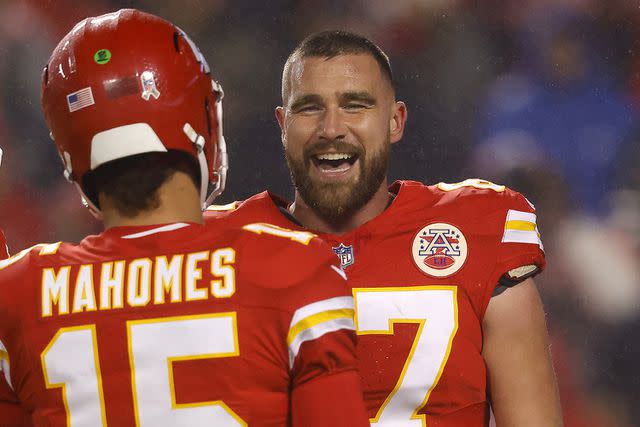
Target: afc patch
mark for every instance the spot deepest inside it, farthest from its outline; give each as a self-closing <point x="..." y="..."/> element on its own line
<point x="439" y="249"/>
<point x="345" y="254"/>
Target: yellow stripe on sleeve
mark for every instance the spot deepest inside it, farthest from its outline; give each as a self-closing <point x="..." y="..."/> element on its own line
<point x="315" y="319"/>
<point x="520" y="225"/>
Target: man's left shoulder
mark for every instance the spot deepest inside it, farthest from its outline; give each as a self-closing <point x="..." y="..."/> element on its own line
<point x="478" y="196"/>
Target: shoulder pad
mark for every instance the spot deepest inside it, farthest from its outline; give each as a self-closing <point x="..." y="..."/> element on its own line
<point x="223" y="208"/>
<point x="286" y="257"/>
<point x="37" y="250"/>
<point x="471" y="184"/>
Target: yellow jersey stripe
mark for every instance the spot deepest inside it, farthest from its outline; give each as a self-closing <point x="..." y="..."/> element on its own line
<point x="315" y="319"/>
<point x="520" y="225"/>
<point x="4" y="355"/>
<point x="221" y="208"/>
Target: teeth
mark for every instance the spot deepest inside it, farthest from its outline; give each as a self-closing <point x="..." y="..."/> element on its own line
<point x="334" y="156"/>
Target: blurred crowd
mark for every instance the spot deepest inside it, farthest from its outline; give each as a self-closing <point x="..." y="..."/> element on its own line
<point x="541" y="96"/>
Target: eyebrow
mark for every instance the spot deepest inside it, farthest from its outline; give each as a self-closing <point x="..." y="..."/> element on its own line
<point x="305" y="99"/>
<point x="361" y="96"/>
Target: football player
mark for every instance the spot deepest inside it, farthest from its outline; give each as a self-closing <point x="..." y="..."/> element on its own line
<point x="11" y="413"/>
<point x="450" y="323"/>
<point x="162" y="320"/>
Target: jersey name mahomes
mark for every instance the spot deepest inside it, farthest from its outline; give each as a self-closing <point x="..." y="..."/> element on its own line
<point x="138" y="282"/>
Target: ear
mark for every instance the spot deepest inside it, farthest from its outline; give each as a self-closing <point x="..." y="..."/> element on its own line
<point x="280" y="115"/>
<point x="397" y="122"/>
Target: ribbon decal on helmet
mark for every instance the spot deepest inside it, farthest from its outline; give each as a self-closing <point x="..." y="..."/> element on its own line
<point x="149" y="88"/>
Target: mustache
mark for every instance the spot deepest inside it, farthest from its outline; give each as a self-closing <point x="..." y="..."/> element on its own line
<point x="333" y="146"/>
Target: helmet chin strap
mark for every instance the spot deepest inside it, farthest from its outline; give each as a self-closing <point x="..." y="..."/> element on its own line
<point x="221" y="154"/>
<point x="97" y="214"/>
<point x="204" y="176"/>
<point x="199" y="141"/>
<point x="68" y="175"/>
<point x="222" y="159"/>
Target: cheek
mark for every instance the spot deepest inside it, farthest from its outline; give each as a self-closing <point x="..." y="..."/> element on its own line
<point x="299" y="130"/>
<point x="372" y="131"/>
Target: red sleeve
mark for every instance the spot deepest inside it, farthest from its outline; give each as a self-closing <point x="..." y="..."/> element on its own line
<point x="518" y="240"/>
<point x="4" y="250"/>
<point x="334" y="400"/>
<point x="326" y="387"/>
<point x="11" y="413"/>
<point x="318" y="328"/>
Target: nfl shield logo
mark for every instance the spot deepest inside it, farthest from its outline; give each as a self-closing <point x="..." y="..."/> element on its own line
<point x="345" y="253"/>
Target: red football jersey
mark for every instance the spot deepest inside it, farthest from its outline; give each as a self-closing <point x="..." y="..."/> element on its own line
<point x="11" y="413"/>
<point x="422" y="274"/>
<point x="181" y="325"/>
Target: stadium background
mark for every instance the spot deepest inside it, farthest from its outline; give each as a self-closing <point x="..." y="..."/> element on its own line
<point x="539" y="95"/>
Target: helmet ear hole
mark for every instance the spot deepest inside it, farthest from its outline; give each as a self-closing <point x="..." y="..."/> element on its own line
<point x="45" y="76"/>
<point x="207" y="113"/>
<point x="176" y="41"/>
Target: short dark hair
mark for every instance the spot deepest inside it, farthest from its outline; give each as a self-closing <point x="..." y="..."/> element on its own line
<point x="329" y="44"/>
<point x="132" y="182"/>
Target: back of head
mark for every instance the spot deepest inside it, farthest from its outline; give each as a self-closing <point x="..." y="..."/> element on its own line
<point x="126" y="84"/>
<point x="329" y="44"/>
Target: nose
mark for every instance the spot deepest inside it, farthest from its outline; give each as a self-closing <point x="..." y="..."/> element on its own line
<point x="332" y="125"/>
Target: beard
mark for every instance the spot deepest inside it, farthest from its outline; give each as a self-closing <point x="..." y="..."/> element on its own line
<point x="336" y="202"/>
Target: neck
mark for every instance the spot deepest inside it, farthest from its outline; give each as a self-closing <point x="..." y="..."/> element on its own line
<point x="178" y="201"/>
<point x="309" y="219"/>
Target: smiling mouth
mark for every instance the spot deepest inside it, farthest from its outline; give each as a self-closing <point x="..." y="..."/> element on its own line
<point x="334" y="163"/>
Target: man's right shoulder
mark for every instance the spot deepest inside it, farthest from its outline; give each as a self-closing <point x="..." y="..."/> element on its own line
<point x="261" y="207"/>
<point x="30" y="257"/>
<point x="286" y="257"/>
<point x="16" y="271"/>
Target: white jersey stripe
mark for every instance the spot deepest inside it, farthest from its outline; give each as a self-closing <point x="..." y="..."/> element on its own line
<point x="513" y="215"/>
<point x="164" y="228"/>
<point x="316" y="332"/>
<point x="520" y="236"/>
<point x="4" y="364"/>
<point x="337" y="303"/>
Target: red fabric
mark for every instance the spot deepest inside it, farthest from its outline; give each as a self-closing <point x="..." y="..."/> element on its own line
<point x="255" y="384"/>
<point x="382" y="251"/>
<point x="11" y="413"/>
<point x="315" y="403"/>
<point x="4" y="251"/>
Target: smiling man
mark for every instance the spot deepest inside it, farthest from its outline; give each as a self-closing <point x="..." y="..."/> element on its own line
<point x="340" y="184"/>
<point x="449" y="320"/>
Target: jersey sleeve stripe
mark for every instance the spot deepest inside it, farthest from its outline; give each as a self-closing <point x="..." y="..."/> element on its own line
<point x="311" y="321"/>
<point x="318" y="318"/>
<point x="520" y="225"/>
<point x="317" y="331"/>
<point x="520" y="236"/>
<point x="4" y="364"/>
<point x="336" y="303"/>
<point x="514" y="215"/>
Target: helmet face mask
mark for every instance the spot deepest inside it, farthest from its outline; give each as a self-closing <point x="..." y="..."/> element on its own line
<point x="128" y="83"/>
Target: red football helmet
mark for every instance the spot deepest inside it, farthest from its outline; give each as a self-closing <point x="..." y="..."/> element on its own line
<point x="127" y="83"/>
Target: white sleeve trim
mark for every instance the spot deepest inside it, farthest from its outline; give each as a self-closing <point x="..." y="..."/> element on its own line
<point x="317" y="319"/>
<point x="4" y="364"/>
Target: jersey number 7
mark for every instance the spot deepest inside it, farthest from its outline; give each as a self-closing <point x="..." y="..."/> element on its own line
<point x="435" y="310"/>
